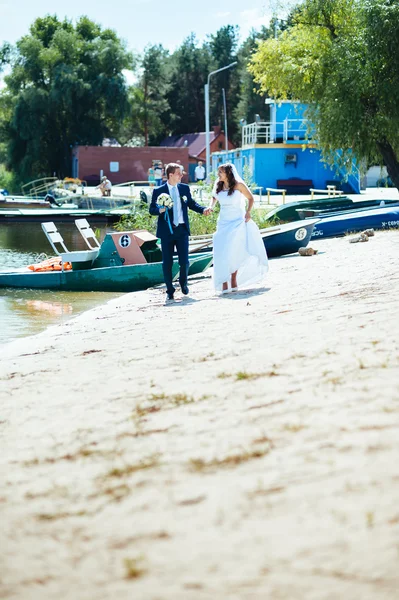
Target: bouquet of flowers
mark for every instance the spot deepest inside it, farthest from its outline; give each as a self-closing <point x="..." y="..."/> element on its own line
<point x="165" y="201"/>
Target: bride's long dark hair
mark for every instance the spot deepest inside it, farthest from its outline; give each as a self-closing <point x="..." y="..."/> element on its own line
<point x="231" y="180"/>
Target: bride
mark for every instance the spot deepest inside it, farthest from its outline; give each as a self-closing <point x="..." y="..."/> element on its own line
<point x="239" y="255"/>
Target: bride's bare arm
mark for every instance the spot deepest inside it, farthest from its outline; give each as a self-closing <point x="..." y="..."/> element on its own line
<point x="213" y="203"/>
<point x="243" y="188"/>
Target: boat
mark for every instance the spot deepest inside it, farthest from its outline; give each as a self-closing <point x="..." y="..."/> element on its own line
<point x="125" y="278"/>
<point x="16" y="202"/>
<point x="56" y="204"/>
<point x="339" y="224"/>
<point x="125" y="262"/>
<point x="278" y="241"/>
<point x="288" y="238"/>
<point x="302" y="209"/>
<point x="30" y="215"/>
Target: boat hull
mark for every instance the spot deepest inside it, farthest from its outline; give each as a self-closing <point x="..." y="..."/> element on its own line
<point x="325" y="207"/>
<point x="200" y="262"/>
<point x="342" y="224"/>
<point x="288" y="239"/>
<point x="129" y="278"/>
<point x="278" y="241"/>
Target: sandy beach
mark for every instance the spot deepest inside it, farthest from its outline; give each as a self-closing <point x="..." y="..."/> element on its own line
<point x="239" y="447"/>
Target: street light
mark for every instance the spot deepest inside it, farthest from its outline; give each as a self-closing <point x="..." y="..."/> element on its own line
<point x="207" y="145"/>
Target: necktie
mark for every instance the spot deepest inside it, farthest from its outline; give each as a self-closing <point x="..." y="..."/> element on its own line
<point x="175" y="198"/>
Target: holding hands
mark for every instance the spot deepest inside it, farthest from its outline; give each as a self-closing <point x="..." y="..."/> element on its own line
<point x="207" y="211"/>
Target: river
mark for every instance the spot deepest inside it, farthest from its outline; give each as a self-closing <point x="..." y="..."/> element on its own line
<point x="26" y="312"/>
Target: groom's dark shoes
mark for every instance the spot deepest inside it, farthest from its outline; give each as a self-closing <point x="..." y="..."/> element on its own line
<point x="184" y="290"/>
<point x="169" y="296"/>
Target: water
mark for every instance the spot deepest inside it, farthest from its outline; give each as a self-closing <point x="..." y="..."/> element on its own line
<point x="25" y="312"/>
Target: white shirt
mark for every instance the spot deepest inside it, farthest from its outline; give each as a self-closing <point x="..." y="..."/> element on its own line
<point x="178" y="203"/>
<point x="199" y="172"/>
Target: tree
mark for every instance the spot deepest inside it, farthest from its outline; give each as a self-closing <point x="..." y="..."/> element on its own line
<point x="251" y="100"/>
<point x="148" y="98"/>
<point x="190" y="65"/>
<point x="342" y="58"/>
<point x="223" y="47"/>
<point x="66" y="87"/>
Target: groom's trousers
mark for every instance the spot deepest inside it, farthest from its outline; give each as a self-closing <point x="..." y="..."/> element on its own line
<point x="179" y="238"/>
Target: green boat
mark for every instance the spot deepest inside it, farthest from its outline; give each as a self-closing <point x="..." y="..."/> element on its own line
<point x="129" y="278"/>
<point x="124" y="262"/>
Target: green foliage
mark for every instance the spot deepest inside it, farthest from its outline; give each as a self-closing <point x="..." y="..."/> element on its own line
<point x="145" y="124"/>
<point x="341" y="57"/>
<point x="199" y="224"/>
<point x="66" y="87"/>
<point x="8" y="180"/>
<point x="189" y="68"/>
<point x="247" y="176"/>
<point x="250" y="101"/>
<point x="140" y="218"/>
<point x="223" y="46"/>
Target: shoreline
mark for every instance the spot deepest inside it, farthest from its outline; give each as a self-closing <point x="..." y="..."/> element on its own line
<point x="240" y="446"/>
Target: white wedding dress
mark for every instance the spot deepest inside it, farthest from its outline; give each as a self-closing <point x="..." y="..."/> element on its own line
<point x="237" y="245"/>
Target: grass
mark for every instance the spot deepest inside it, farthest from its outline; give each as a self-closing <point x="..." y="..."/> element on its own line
<point x="293" y="427"/>
<point x="63" y="515"/>
<point x="334" y="380"/>
<point x="147" y="463"/>
<point x="242" y="375"/>
<point x="139" y="218"/>
<point x="224" y="375"/>
<point x="370" y="519"/>
<point x="141" y="433"/>
<point x="118" y="492"/>
<point x="134" y="567"/>
<point x="161" y="401"/>
<point x="83" y="452"/>
<point x="207" y="357"/>
<point x="262" y="490"/>
<point x="245" y="376"/>
<point x="200" y="465"/>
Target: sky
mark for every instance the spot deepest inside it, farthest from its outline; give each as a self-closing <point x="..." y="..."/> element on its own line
<point x="140" y="22"/>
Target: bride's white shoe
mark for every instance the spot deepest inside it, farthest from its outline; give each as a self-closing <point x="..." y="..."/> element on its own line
<point x="234" y="289"/>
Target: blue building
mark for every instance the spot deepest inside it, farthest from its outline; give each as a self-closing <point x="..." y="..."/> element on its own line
<point x="279" y="155"/>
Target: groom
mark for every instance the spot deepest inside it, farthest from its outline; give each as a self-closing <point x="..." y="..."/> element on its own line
<point x="178" y="219"/>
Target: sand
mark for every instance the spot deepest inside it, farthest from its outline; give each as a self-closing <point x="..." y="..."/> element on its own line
<point x="235" y="447"/>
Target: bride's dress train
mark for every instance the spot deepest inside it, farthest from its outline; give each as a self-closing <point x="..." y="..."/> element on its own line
<point x="237" y="245"/>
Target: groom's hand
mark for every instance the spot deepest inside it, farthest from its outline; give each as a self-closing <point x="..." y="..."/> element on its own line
<point x="207" y="212"/>
<point x="162" y="210"/>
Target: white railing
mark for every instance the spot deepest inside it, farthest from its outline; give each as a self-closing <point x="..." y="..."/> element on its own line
<point x="289" y="130"/>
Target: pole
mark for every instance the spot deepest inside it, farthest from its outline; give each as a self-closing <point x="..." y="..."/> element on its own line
<point x="225" y="119"/>
<point x="208" y="154"/>
<point x="206" y="91"/>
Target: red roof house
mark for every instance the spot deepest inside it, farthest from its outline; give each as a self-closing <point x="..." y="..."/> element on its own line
<point x="196" y="145"/>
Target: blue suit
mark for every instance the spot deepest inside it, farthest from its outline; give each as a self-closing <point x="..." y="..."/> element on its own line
<point x="179" y="235"/>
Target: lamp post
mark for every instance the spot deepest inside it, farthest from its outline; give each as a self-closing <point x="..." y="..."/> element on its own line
<point x="206" y="91"/>
<point x="225" y="120"/>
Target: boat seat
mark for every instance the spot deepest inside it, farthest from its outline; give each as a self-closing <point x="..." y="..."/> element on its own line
<point x="87" y="233"/>
<point x="58" y="245"/>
